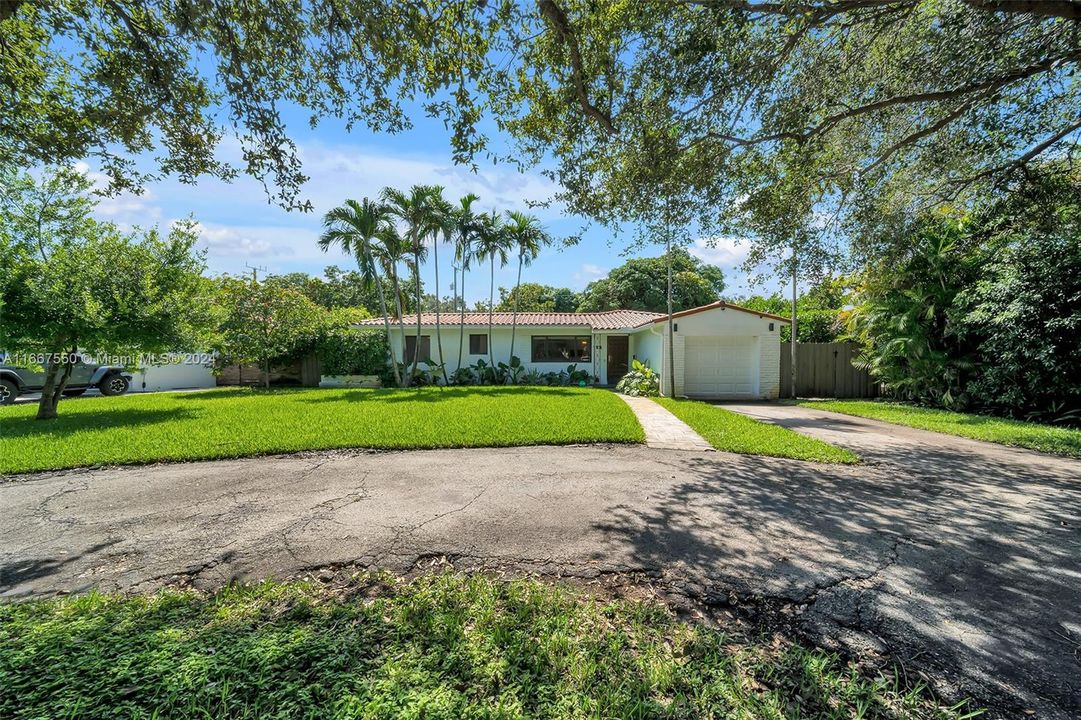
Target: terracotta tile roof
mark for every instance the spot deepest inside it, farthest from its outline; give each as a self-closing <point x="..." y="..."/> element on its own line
<point x="499" y="319"/>
<point x="607" y="320"/>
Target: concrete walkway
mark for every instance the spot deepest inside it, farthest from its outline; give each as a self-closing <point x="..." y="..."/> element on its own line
<point x="663" y="429"/>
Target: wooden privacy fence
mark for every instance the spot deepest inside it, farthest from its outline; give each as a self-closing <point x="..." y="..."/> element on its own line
<point x="825" y="370"/>
<point x="305" y="372"/>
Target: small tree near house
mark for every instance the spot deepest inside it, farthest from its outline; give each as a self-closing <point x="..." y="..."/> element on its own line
<point x="263" y="322"/>
<point x="72" y="284"/>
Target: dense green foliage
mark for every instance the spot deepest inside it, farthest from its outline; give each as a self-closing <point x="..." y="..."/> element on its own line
<point x="760" y="118"/>
<point x="263" y="323"/>
<point x="338" y="288"/>
<point x="726" y="113"/>
<point x="1005" y="431"/>
<point x="72" y="283"/>
<point x="444" y="647"/>
<point x="515" y="373"/>
<point x="115" y="80"/>
<point x="534" y="297"/>
<point x="238" y="422"/>
<point x="640" y="381"/>
<point x="642" y="284"/>
<point x="820" y="317"/>
<point x="983" y="311"/>
<point x="731" y="432"/>
<point x="353" y="351"/>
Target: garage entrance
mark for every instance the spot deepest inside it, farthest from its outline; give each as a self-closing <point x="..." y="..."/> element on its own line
<point x="720" y="367"/>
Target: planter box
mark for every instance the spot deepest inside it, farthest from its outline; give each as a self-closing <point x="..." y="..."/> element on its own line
<point x="340" y="381"/>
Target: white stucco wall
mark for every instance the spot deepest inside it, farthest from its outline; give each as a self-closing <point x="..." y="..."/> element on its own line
<point x="653" y="348"/>
<point x="501" y="345"/>
<point x="648" y="344"/>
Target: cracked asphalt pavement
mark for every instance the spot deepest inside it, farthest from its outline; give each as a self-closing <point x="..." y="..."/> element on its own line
<point x="957" y="558"/>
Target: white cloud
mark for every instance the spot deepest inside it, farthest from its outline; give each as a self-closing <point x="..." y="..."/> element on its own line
<point x="251" y="242"/>
<point x="725" y="252"/>
<point x="342" y="172"/>
<point x="587" y="273"/>
<point x="237" y="222"/>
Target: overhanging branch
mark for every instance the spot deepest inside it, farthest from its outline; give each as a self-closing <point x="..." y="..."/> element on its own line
<point x="559" y="22"/>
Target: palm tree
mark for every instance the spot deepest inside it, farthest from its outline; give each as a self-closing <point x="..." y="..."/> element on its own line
<point x="443" y="223"/>
<point x="417" y="212"/>
<point x="390" y="252"/>
<point x="525" y="234"/>
<point x="465" y="234"/>
<point x="354" y="226"/>
<point x="492" y="242"/>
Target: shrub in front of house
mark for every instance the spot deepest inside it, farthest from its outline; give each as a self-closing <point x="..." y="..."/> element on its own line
<point x="641" y="381"/>
<point x="353" y="352"/>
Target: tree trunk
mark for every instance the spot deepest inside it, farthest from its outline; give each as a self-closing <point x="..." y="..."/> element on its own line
<point x="53" y="389"/>
<point x="416" y="348"/>
<point x="671" y="326"/>
<point x="792" y="344"/>
<point x="386" y="323"/>
<point x="491" y="306"/>
<point x="514" y="319"/>
<point x="408" y="379"/>
<point x="438" y="323"/>
<point x="461" y="320"/>
<point x="266" y="373"/>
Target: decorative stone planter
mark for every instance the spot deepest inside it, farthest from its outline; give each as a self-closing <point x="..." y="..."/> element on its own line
<point x="340" y="381"/>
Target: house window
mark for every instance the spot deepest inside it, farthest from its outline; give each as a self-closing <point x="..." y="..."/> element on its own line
<point x="561" y="348"/>
<point x="478" y="344"/>
<point x="411" y="348"/>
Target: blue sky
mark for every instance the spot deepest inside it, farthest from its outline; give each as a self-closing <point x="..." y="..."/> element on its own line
<point x="239" y="228"/>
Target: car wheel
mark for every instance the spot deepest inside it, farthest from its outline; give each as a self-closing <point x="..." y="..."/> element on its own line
<point x="74" y="393"/>
<point x="114" y="385"/>
<point x="8" y="392"/>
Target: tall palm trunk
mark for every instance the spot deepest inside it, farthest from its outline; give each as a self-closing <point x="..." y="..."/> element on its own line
<point x="514" y="318"/>
<point x="416" y="277"/>
<point x="407" y="381"/>
<point x="386" y="319"/>
<point x="462" y="317"/>
<point x="491" y="306"/>
<point x="438" y="324"/>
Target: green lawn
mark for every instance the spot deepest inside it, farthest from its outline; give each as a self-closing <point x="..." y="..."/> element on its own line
<point x="238" y="422"/>
<point x="732" y="432"/>
<point x="444" y="646"/>
<point x="1058" y="440"/>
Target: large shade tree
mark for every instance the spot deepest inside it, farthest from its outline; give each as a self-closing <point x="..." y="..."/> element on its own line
<point x="881" y="103"/>
<point x="642" y="284"/>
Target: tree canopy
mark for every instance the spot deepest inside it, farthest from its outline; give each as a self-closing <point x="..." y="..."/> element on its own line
<point x="983" y="310"/>
<point x="743" y="113"/>
<point x="73" y="284"/>
<point x="642" y="284"/>
<point x="536" y="297"/>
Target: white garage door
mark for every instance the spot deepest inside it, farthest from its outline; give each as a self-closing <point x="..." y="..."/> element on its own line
<point x="720" y="367"/>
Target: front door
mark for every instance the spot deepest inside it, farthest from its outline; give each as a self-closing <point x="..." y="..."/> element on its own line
<point x="618" y="364"/>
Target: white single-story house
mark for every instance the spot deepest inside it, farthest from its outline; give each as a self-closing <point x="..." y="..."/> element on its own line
<point x="721" y="350"/>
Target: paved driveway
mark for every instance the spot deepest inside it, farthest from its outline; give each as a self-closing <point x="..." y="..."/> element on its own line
<point x="957" y="557"/>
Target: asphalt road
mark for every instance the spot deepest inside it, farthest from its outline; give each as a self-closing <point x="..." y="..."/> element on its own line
<point x="959" y="558"/>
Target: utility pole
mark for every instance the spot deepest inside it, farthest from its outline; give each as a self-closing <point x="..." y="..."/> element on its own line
<point x="793" y="343"/>
<point x="671" y="329"/>
<point x="255" y="270"/>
